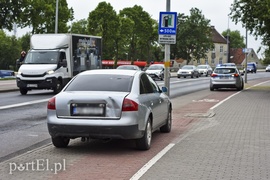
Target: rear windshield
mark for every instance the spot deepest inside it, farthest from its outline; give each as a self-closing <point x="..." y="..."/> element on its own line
<point x="101" y="82"/>
<point x="225" y="70"/>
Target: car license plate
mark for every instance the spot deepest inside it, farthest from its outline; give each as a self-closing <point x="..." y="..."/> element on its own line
<point x="32" y="85"/>
<point x="88" y="109"/>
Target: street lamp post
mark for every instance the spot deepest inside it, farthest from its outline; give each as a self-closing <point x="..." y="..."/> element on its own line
<point x="56" y="17"/>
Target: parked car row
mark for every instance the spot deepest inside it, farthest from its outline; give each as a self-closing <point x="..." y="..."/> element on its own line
<point x="194" y="71"/>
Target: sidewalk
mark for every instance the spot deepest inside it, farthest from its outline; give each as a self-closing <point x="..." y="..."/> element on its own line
<point x="233" y="144"/>
<point x="210" y="139"/>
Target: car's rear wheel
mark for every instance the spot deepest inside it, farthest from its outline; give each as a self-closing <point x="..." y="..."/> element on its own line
<point x="60" y="142"/>
<point x="144" y="143"/>
<point x="168" y="126"/>
<point x="23" y="91"/>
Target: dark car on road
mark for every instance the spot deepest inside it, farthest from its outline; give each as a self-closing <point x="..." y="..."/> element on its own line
<point x="7" y="74"/>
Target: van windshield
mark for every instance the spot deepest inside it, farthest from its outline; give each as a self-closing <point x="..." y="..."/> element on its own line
<point x="42" y="57"/>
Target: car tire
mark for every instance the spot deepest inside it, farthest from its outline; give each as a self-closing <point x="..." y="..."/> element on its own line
<point x="60" y="142"/>
<point x="212" y="88"/>
<point x="23" y="91"/>
<point x="58" y="87"/>
<point x="144" y="143"/>
<point x="206" y="74"/>
<point x="168" y="126"/>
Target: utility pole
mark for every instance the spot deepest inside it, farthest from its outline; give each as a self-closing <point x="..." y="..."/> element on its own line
<point x="246" y="51"/>
<point x="167" y="56"/>
<point x="56" y="17"/>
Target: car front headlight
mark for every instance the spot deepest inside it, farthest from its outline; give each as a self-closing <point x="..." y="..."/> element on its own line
<point x="19" y="73"/>
<point x="50" y="72"/>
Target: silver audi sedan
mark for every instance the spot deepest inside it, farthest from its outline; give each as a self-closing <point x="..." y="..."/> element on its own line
<point x="109" y="104"/>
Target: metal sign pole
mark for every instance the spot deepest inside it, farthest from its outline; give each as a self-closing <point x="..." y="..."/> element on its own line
<point x="246" y="51"/>
<point x="167" y="56"/>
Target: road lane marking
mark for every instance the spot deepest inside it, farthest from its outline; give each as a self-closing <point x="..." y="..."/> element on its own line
<point x="23" y="104"/>
<point x="150" y="163"/>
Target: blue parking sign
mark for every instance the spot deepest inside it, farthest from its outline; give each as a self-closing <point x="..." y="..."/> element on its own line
<point x="167" y="23"/>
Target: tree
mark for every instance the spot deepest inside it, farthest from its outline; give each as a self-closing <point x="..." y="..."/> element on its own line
<point x="79" y="27"/>
<point x="143" y="32"/>
<point x="236" y="40"/>
<point x="9" y="12"/>
<point x="103" y="21"/>
<point x="194" y="36"/>
<point x="254" y="17"/>
<point x="40" y="15"/>
<point x="10" y="49"/>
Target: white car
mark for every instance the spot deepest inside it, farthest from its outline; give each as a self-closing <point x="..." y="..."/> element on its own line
<point x="156" y="71"/>
<point x="267" y="69"/>
<point x="188" y="70"/>
<point x="205" y="70"/>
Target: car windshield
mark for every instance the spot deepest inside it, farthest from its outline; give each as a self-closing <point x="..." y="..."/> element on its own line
<point x="153" y="67"/>
<point x="187" y="67"/>
<point x="42" y="57"/>
<point x="202" y="67"/>
<point x="101" y="82"/>
<point x="225" y="70"/>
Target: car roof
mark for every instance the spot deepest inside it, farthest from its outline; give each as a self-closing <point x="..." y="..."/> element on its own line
<point x="157" y="65"/>
<point x="111" y="71"/>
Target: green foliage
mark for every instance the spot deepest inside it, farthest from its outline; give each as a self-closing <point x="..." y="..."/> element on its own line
<point x="266" y="60"/>
<point x="40" y="15"/>
<point x="10" y="12"/>
<point x="103" y="21"/>
<point x="142" y="33"/>
<point x="9" y="51"/>
<point x="194" y="36"/>
<point x="25" y="42"/>
<point x="255" y="17"/>
<point x="236" y="40"/>
<point x="79" y="27"/>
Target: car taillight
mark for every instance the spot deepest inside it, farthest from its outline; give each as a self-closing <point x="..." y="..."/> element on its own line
<point x="214" y="75"/>
<point x="129" y="105"/>
<point x="51" y="104"/>
<point x="236" y="75"/>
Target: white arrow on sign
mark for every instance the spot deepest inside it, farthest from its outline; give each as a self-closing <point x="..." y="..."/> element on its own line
<point x="161" y="30"/>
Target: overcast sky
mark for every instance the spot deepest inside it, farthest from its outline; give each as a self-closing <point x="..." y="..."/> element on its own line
<point x="215" y="10"/>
